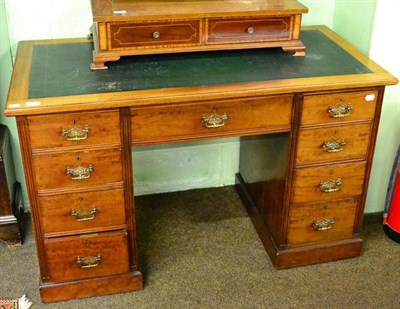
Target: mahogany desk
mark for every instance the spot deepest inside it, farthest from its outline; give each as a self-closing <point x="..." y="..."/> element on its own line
<point x="308" y="127"/>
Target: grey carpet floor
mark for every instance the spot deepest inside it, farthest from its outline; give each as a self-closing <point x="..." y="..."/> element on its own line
<point x="198" y="249"/>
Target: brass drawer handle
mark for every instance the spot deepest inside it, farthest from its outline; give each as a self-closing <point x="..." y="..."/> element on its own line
<point x="76" y="134"/>
<point x="80" y="172"/>
<point x="323" y="225"/>
<point x="250" y="30"/>
<point x="340" y="111"/>
<point x="156" y="35"/>
<point x="333" y="146"/>
<point x="214" y="121"/>
<point x="84" y="214"/>
<point x="331" y="185"/>
<point x="89" y="262"/>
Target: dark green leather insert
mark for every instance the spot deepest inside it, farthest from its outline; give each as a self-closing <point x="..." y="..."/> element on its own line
<point x="63" y="69"/>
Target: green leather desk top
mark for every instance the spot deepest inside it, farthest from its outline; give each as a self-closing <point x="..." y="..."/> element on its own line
<point x="63" y="69"/>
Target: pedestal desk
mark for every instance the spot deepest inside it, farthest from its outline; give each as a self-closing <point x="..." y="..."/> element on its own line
<point x="308" y="127"/>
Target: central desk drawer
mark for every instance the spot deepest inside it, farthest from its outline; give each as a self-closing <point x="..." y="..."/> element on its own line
<point x="67" y="213"/>
<point x="224" y="118"/>
<point x="77" y="169"/>
<point x="87" y="256"/>
<point x="261" y="29"/>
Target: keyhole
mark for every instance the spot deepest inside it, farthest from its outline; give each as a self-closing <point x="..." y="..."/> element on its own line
<point x="78" y="158"/>
<point x="81" y="199"/>
<point x="74" y="121"/>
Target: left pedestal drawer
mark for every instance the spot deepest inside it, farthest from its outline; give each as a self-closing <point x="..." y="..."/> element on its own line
<point x="82" y="211"/>
<point x="77" y="169"/>
<point x="87" y="256"/>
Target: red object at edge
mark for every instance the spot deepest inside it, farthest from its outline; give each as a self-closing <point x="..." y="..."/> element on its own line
<point x="393" y="219"/>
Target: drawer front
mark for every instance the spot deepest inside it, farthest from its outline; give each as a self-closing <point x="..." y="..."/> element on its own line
<point x="231" y="117"/>
<point x="233" y="30"/>
<point x="87" y="256"/>
<point x="322" y="222"/>
<point x="77" y="169"/>
<point x="154" y="34"/>
<point x="74" y="129"/>
<point x="80" y="211"/>
<point x="337" y="107"/>
<point x="333" y="143"/>
<point x="329" y="182"/>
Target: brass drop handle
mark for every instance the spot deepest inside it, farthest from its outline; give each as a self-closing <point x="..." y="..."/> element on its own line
<point x="214" y="121"/>
<point x="156" y="35"/>
<point x="89" y="262"/>
<point x="334" y="145"/>
<point x="80" y="172"/>
<point x="340" y="111"/>
<point x="76" y="134"/>
<point x="84" y="214"/>
<point x="250" y="30"/>
<point x="331" y="185"/>
<point x="323" y="225"/>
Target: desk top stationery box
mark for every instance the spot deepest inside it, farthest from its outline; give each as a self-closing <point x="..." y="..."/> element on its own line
<point x="123" y="28"/>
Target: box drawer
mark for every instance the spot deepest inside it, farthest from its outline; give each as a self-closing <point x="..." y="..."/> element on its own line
<point x="224" y="118"/>
<point x="335" y="181"/>
<point x="322" y="222"/>
<point x="333" y="143"/>
<point x="259" y="29"/>
<point x="87" y="256"/>
<point x="74" y="129"/>
<point x="68" y="213"/>
<point x="337" y="107"/>
<point x="154" y="34"/>
<point x="77" y="169"/>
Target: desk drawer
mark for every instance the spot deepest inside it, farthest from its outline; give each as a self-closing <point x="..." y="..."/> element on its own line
<point x="82" y="211"/>
<point x="74" y="129"/>
<point x="87" y="256"/>
<point x="77" y="169"/>
<point x="337" y="107"/>
<point x="333" y="143"/>
<point x="329" y="182"/>
<point x="322" y="222"/>
<point x="154" y="34"/>
<point x="168" y="123"/>
<point x="236" y="30"/>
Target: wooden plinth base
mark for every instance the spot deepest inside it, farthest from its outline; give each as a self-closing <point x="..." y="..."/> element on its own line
<point x="298" y="256"/>
<point x="52" y="292"/>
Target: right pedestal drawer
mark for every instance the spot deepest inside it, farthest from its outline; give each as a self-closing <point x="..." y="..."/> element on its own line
<point x="328" y="182"/>
<point x="322" y="222"/>
<point x="333" y="143"/>
<point x="339" y="107"/>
